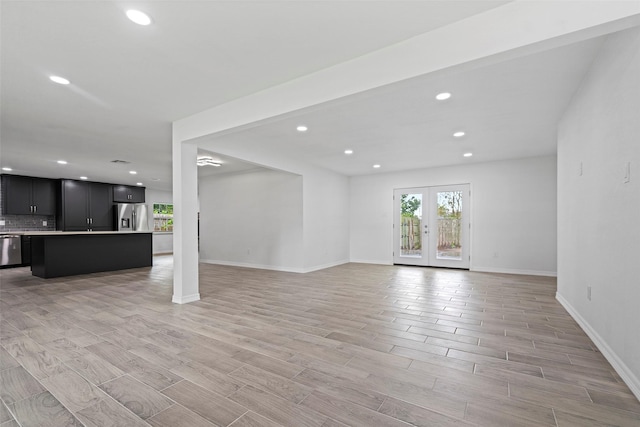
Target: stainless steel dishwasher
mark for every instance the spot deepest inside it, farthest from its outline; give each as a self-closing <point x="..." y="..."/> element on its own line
<point x="10" y="249"/>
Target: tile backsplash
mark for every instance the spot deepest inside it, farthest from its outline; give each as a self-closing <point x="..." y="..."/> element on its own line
<point x="25" y="222"/>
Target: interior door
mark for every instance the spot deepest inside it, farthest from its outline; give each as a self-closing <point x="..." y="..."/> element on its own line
<point x="431" y="226"/>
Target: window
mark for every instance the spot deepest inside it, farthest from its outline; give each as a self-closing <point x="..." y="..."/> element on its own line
<point x="162" y="217"/>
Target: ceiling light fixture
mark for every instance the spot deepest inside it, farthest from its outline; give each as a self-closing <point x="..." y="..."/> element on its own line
<point x="468" y="154"/>
<point x="138" y="17"/>
<point x="7" y="169"/>
<point x="62" y="162"/>
<point x="348" y="151"/>
<point x="376" y="166"/>
<point x="139" y="183"/>
<point x="442" y="96"/>
<point x="459" y="134"/>
<point x="155" y="179"/>
<point x="84" y="178"/>
<point x="133" y="172"/>
<point x="208" y="161"/>
<point x="302" y="128"/>
<point x="59" y="80"/>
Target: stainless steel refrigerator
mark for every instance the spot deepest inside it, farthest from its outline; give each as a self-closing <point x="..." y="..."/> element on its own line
<point x="132" y="217"/>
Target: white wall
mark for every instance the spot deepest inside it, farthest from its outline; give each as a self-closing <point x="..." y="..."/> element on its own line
<point x="513" y="213"/>
<point x="326" y="219"/>
<point x="252" y="219"/>
<point x="162" y="242"/>
<point x="598" y="214"/>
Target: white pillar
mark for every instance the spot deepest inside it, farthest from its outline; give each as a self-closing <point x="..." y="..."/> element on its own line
<point x="185" y="214"/>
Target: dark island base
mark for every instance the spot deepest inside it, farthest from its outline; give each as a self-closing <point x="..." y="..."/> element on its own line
<point x="68" y="255"/>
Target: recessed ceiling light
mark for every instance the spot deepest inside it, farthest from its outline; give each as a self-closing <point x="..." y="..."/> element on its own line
<point x="59" y="80"/>
<point x="208" y="161"/>
<point x="348" y="151"/>
<point x="133" y="172"/>
<point x="62" y="162"/>
<point x="83" y="177"/>
<point x="468" y="154"/>
<point x="7" y="169"/>
<point x="302" y="128"/>
<point x="442" y="96"/>
<point x="155" y="179"/>
<point x="376" y="166"/>
<point x="458" y="134"/>
<point x="138" y="17"/>
<point x="139" y="183"/>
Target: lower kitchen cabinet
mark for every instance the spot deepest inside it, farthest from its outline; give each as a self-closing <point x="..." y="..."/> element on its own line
<point x="67" y="254"/>
<point x="26" y="250"/>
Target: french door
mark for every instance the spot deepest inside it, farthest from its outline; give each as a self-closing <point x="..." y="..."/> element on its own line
<point x="431" y="226"/>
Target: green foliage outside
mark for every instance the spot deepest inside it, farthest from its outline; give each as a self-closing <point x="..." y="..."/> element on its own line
<point x="163" y="216"/>
<point x="409" y="204"/>
<point x="163" y="209"/>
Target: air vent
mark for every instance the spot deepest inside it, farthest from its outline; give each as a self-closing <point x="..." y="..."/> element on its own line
<point x="124" y="162"/>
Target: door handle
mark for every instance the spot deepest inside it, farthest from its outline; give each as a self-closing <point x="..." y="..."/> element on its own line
<point x="87" y="221"/>
<point x="91" y="221"/>
<point x="35" y="208"/>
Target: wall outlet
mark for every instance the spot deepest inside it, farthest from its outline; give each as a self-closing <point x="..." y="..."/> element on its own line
<point x="580" y="169"/>
<point x="496" y="255"/>
<point x="589" y="293"/>
<point x="44" y="223"/>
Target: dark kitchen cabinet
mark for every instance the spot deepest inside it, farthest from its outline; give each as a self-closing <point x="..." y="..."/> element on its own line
<point x="26" y="250"/>
<point x="25" y="195"/>
<point x="128" y="194"/>
<point x="85" y="206"/>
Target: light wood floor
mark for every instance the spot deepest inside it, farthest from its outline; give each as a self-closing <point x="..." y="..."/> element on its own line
<point x="361" y="345"/>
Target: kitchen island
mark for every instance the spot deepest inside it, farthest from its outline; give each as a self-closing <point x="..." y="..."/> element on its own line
<point x="57" y="253"/>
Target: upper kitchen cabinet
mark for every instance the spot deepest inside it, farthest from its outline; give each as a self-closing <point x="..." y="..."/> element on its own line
<point x="128" y="194"/>
<point x="25" y="195"/>
<point x="85" y="206"/>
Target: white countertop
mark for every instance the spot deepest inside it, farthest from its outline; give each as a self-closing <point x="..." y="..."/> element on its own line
<point x="68" y="233"/>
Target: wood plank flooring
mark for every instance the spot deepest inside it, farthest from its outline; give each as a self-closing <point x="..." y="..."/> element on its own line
<point x="355" y="345"/>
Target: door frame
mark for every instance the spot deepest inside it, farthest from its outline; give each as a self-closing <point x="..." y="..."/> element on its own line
<point x="428" y="257"/>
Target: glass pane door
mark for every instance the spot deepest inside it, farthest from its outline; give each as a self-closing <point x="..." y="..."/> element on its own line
<point x="431" y="226"/>
<point x="450" y="237"/>
<point x="449" y="218"/>
<point x="410" y="230"/>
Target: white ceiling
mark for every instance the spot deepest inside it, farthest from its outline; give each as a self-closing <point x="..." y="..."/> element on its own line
<point x="128" y="83"/>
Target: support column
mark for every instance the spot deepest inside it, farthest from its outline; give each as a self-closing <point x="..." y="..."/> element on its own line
<point x="185" y="228"/>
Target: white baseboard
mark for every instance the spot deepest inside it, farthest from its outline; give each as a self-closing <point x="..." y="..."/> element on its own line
<point x="371" y="261"/>
<point x="252" y="265"/>
<point x="273" y="267"/>
<point x="618" y="364"/>
<point x="186" y="299"/>
<point x="515" y="271"/>
<point x="323" y="266"/>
